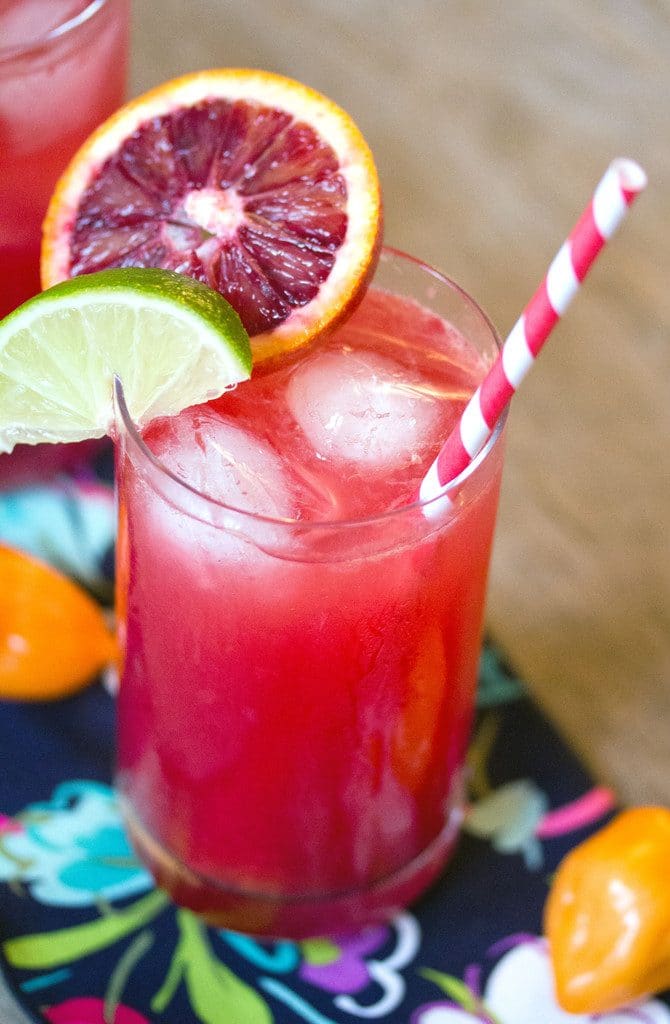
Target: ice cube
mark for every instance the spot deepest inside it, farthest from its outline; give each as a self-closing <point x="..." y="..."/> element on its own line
<point x="363" y="408"/>
<point x="224" y="461"/>
<point x="201" y="538"/>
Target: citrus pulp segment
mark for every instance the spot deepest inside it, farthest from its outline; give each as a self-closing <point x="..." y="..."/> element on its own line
<point x="248" y="181"/>
<point x="172" y="341"/>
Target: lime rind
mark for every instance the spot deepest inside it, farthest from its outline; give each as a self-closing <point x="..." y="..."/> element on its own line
<point x="172" y="341"/>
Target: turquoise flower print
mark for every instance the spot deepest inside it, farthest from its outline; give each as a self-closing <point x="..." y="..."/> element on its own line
<point x="516" y="816"/>
<point x="69" y="524"/>
<point x="509" y="817"/>
<point x="496" y="686"/>
<point x="72" y="850"/>
<point x="370" y="962"/>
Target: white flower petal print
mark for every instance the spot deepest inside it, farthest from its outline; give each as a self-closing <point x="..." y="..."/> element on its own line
<point x="446" y="1015"/>
<point x="657" y="1013"/>
<point x="520" y="990"/>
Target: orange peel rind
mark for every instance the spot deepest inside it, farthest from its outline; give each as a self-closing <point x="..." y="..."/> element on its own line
<point x="280" y="211"/>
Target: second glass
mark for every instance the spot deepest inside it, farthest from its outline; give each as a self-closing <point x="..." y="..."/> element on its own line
<point x="63" y="70"/>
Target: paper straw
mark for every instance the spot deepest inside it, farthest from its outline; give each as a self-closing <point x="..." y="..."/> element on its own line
<point x="622" y="182"/>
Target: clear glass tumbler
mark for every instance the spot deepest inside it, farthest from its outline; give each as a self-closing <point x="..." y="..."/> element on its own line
<point x="296" y="697"/>
<point x="63" y="70"/>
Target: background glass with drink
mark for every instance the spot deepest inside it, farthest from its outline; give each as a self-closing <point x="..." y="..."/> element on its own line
<point x="62" y="71"/>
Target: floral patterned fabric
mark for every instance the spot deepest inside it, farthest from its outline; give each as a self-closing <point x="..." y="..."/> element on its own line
<point x="85" y="938"/>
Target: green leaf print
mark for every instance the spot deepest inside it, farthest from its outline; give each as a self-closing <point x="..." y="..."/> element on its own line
<point x="460" y="993"/>
<point x="53" y="949"/>
<point x="453" y="987"/>
<point x="215" y="993"/>
<point x="319" y="952"/>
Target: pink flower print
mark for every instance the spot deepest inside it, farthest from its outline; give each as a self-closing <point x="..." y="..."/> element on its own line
<point x="86" y="1010"/>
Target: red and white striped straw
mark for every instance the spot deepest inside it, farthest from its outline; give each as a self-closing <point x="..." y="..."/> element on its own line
<point x="622" y="182"/>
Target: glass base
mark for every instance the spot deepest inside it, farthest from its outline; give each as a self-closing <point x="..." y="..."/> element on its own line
<point x="275" y="916"/>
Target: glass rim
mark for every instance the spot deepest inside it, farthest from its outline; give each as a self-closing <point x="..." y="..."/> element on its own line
<point x="64" y="28"/>
<point x="304" y="525"/>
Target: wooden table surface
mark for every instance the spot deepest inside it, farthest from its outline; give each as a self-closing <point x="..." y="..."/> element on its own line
<point x="491" y="124"/>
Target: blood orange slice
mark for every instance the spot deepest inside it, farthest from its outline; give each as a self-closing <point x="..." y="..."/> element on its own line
<point x="247" y="181"/>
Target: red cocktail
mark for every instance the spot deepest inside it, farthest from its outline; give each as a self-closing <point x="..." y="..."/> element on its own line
<point x="301" y="645"/>
<point x="62" y="72"/>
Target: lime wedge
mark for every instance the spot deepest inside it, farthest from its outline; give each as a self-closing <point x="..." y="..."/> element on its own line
<point x="172" y="341"/>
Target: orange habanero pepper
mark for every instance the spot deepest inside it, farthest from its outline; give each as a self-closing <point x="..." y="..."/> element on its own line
<point x="607" y="917"/>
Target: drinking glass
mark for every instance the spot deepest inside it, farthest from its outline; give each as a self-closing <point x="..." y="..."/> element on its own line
<point x="62" y="72"/>
<point x="296" y="697"/>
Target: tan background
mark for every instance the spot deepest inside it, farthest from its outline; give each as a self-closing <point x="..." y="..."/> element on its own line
<point x="491" y="123"/>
